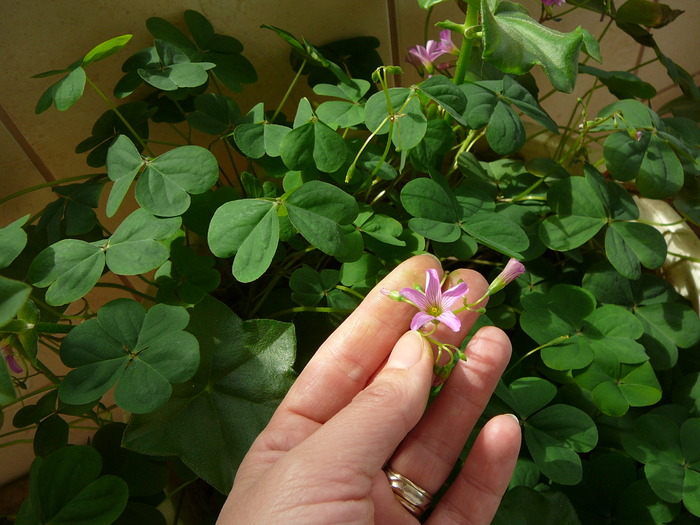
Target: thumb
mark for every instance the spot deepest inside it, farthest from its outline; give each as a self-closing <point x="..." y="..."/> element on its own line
<point x="367" y="431"/>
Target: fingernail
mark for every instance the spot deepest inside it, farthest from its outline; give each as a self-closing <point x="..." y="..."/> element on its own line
<point x="407" y="352"/>
<point x="514" y="417"/>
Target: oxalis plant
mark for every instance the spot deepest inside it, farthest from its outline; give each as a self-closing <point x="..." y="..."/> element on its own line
<point x="250" y="245"/>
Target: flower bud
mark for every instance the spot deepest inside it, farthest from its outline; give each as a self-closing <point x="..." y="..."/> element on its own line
<point x="514" y="268"/>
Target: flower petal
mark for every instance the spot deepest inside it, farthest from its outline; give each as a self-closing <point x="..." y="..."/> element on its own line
<point x="433" y="292"/>
<point x="421" y="318"/>
<point x="450" y="320"/>
<point x="456" y="292"/>
<point x="416" y="297"/>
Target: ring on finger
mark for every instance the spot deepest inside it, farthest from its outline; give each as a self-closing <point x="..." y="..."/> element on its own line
<point x="415" y="499"/>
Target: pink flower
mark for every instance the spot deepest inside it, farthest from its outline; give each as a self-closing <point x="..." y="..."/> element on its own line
<point x="423" y="57"/>
<point x="446" y="45"/>
<point x="11" y="361"/>
<point x="514" y="268"/>
<point x="550" y="3"/>
<point x="434" y="304"/>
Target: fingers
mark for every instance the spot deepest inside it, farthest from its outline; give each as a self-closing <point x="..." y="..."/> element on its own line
<point x="474" y="496"/>
<point x="343" y="365"/>
<point x="363" y="435"/>
<point x="431" y="449"/>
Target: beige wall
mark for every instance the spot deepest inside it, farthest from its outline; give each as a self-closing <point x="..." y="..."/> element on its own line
<point x="39" y="35"/>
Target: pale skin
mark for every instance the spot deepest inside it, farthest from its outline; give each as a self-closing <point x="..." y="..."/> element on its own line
<point x="361" y="401"/>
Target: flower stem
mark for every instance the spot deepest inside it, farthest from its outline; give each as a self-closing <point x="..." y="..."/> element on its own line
<point x="472" y="19"/>
<point x="121" y="117"/>
<point x="289" y="91"/>
<point x="46" y="185"/>
<point x="553" y="342"/>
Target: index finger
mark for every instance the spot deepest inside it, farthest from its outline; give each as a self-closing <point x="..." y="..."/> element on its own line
<point x="343" y="365"/>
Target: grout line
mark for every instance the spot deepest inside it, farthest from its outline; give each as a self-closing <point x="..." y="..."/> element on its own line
<point x="394" y="38"/>
<point x="27" y="148"/>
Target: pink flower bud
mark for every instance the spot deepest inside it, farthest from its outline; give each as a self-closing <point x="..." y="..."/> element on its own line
<point x="11" y="361"/>
<point x="514" y="268"/>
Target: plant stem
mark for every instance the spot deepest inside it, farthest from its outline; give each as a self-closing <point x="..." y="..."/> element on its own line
<point x="46" y="185"/>
<point x="471" y="19"/>
<point x="317" y="309"/>
<point x="126" y="288"/>
<point x="289" y="91"/>
<point x="120" y="116"/>
<point x="553" y="342"/>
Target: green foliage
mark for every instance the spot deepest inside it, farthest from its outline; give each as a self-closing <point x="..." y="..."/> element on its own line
<point x="211" y="420"/>
<point x="252" y="213"/>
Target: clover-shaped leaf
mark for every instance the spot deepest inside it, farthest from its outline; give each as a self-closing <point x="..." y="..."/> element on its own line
<point x="440" y="213"/>
<point x="319" y="211"/>
<point x="526" y="395"/>
<point x="165" y="185"/>
<point x="211" y="421"/>
<point x="404" y="118"/>
<point x="514" y="43"/>
<point x="248" y="228"/>
<point x="554" y="435"/>
<point x="671" y="456"/>
<point x="312" y="145"/>
<point x="73" y="213"/>
<point x="610" y="491"/>
<point x="142" y="352"/>
<point x="67" y="488"/>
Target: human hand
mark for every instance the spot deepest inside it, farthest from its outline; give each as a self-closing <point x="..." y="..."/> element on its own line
<point x="360" y="403"/>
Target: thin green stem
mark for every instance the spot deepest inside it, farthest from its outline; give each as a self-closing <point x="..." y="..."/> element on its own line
<point x="350" y="291"/>
<point x="317" y="309"/>
<point x="684" y="256"/>
<point x="289" y="91"/>
<point x="126" y="288"/>
<point x="46" y="185"/>
<point x="27" y="396"/>
<point x="553" y="342"/>
<point x="120" y="116"/>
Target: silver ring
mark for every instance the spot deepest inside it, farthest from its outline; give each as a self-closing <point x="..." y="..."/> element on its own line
<point x="411" y="496"/>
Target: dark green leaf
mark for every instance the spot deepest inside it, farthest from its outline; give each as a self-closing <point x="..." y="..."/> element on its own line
<point x="165" y="185"/>
<point x="554" y="435"/>
<point x="69" y="490"/>
<point x="13" y="239"/>
<point x="70" y="268"/>
<point x="123" y="164"/>
<point x="318" y="210"/>
<point x="212" y="420"/>
<point x="514" y="43"/>
<point x="248" y="228"/>
<point x="627" y="244"/>
<point x="142" y="352"/>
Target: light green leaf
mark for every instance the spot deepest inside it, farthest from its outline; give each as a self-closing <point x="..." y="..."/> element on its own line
<point x="69" y="89"/>
<point x="106" y="49"/>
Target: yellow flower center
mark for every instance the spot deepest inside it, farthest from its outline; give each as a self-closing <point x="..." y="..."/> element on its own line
<point x="434" y="311"/>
